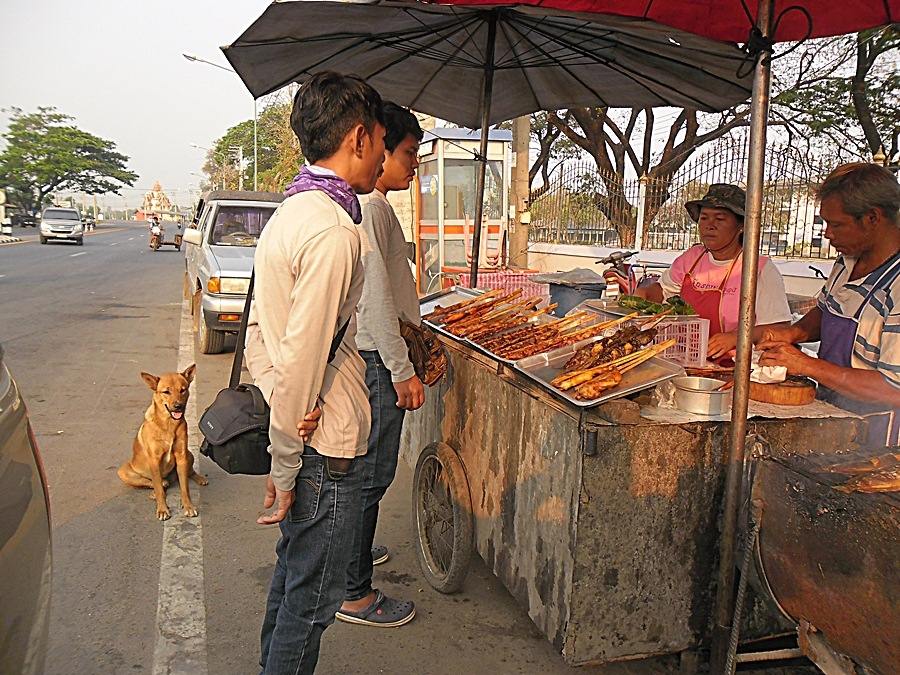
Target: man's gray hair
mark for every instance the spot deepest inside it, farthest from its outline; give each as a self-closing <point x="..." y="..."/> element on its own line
<point x="862" y="187"/>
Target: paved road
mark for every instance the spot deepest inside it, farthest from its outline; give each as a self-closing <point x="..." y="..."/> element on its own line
<point x="79" y="324"/>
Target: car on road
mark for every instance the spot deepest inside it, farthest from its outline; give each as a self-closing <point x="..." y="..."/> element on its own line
<point x="223" y="234"/>
<point x="61" y="223"/>
<point x="25" y="552"/>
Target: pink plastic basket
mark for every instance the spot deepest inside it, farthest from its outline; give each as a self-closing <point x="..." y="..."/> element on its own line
<point x="510" y="281"/>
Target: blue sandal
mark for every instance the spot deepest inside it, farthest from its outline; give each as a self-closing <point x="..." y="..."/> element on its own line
<point x="380" y="554"/>
<point x="384" y="612"/>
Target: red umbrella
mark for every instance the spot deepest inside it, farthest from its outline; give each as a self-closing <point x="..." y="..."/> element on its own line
<point x="731" y="20"/>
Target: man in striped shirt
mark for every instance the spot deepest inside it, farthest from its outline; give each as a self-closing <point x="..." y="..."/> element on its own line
<point x="857" y="317"/>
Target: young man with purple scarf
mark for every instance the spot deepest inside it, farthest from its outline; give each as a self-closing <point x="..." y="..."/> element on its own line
<point x="309" y="279"/>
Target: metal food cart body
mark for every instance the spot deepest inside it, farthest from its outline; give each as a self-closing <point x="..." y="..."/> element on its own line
<point x="603" y="526"/>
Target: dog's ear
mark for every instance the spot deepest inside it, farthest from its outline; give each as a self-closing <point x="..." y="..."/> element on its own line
<point x="151" y="380"/>
<point x="188" y="373"/>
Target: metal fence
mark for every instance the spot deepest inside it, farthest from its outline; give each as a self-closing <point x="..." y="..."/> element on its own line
<point x="582" y="205"/>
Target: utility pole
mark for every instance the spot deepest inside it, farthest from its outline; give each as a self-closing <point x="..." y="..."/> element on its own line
<point x="240" y="163"/>
<point x="519" y="193"/>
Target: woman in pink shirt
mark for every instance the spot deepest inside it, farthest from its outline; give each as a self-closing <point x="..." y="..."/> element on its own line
<point x="708" y="275"/>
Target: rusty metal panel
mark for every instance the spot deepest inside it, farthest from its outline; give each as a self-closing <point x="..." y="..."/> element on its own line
<point x="833" y="559"/>
<point x="646" y="541"/>
<point x="522" y="459"/>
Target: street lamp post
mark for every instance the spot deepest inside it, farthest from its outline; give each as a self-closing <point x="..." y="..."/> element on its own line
<point x="197" y="59"/>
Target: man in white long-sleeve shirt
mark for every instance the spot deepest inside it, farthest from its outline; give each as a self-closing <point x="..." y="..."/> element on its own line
<point x="389" y="294"/>
<point x="309" y="279"/>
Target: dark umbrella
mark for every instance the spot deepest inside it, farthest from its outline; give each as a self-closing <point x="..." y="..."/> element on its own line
<point x="482" y="65"/>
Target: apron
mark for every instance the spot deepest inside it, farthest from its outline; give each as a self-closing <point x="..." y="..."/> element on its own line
<point x="707" y="303"/>
<point x="838" y="335"/>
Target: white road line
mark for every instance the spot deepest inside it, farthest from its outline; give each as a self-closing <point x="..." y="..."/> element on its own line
<point x="2" y="275"/>
<point x="115" y="243"/>
<point x="181" y="609"/>
<point x="130" y="238"/>
<point x="75" y="255"/>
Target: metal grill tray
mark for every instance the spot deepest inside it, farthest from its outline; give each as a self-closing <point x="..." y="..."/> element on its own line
<point x="542" y="368"/>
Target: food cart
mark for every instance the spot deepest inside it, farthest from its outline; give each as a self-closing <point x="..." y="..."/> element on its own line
<point x="602" y="523"/>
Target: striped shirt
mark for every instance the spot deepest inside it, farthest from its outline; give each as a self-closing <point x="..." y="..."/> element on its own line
<point x="877" y="344"/>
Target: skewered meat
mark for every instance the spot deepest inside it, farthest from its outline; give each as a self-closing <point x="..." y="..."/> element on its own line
<point x="595" y="387"/>
<point x="885" y="480"/>
<point x="455" y="321"/>
<point x="439" y="313"/>
<point x="621" y="343"/>
<point x="867" y="465"/>
<point x="589" y="384"/>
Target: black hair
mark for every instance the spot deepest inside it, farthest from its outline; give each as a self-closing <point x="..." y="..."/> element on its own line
<point x="398" y="124"/>
<point x="327" y="107"/>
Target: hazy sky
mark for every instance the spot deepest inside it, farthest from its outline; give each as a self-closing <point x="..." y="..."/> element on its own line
<point x="117" y="68"/>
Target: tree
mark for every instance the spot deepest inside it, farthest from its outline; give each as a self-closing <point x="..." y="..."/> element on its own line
<point x="855" y="101"/>
<point x="553" y="147"/>
<point x="278" y="149"/>
<point x="829" y="91"/>
<point x="46" y="153"/>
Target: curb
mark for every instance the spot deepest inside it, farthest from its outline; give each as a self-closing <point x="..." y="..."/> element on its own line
<point x="7" y="239"/>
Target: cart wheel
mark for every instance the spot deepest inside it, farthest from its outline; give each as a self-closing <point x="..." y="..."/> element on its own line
<point x="442" y="510"/>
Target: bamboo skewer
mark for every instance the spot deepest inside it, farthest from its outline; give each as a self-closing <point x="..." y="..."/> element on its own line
<point x="491" y="339"/>
<point x="656" y="319"/>
<point x="438" y="311"/>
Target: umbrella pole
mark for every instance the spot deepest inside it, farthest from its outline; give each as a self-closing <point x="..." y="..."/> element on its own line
<point x="759" y="115"/>
<point x="487" y="88"/>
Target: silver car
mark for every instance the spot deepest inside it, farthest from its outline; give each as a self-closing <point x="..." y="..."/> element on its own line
<point x="62" y="224"/>
<point x="25" y="554"/>
<point x="223" y="235"/>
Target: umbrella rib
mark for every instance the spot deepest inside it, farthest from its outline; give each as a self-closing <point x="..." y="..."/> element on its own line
<point x="618" y="68"/>
<point x="512" y="47"/>
<point x="426" y="30"/>
<point x="435" y="74"/>
<point x="562" y="46"/>
<point x="406" y="56"/>
<point x="575" y="77"/>
<point x="524" y="71"/>
<point x="471" y="36"/>
<point x="459" y="21"/>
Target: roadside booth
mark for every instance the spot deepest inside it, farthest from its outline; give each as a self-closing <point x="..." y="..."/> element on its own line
<point x="445" y="203"/>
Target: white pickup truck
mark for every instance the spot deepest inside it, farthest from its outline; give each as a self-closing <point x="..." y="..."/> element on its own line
<point x="218" y="262"/>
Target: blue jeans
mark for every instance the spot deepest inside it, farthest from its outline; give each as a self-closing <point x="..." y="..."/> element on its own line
<point x="378" y="468"/>
<point x="309" y="578"/>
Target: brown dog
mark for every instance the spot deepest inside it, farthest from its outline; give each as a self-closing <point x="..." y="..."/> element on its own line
<point x="161" y="443"/>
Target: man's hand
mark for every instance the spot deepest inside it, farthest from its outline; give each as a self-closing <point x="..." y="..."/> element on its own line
<point x="771" y="334"/>
<point x="787" y="355"/>
<point x="721" y="344"/>
<point x="410" y="393"/>
<point x="281" y="500"/>
<point x="309" y="424"/>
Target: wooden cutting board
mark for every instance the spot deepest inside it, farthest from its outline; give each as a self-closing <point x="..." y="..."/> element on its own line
<point x="793" y="391"/>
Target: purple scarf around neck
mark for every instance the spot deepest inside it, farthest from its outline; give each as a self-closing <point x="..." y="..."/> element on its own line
<point x="334" y="186"/>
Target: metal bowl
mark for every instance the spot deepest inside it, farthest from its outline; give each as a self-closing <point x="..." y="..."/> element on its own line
<point x="697" y="395"/>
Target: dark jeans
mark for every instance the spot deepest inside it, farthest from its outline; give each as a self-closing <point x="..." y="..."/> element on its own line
<point x="309" y="579"/>
<point x="379" y="466"/>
